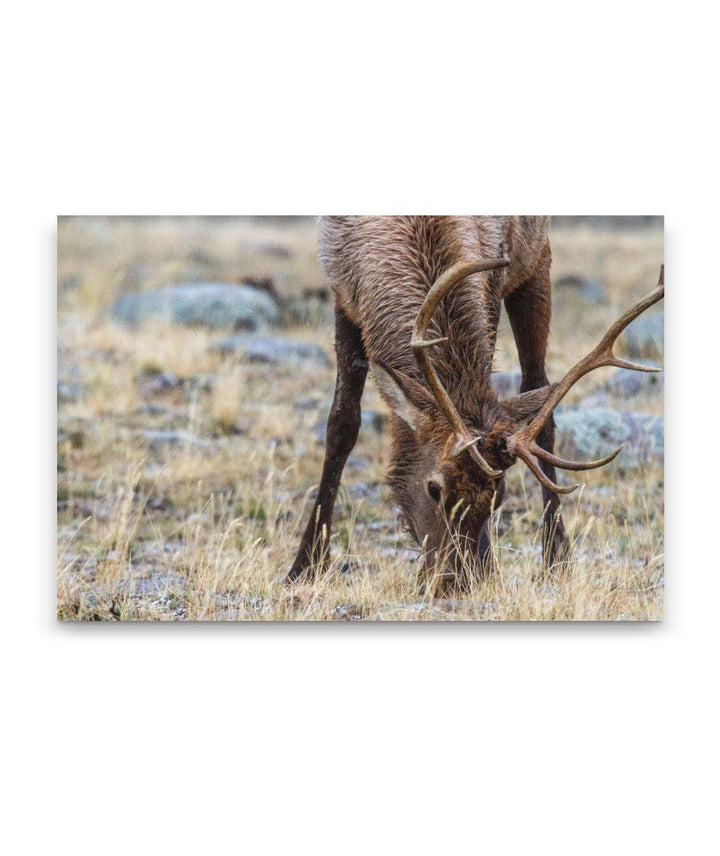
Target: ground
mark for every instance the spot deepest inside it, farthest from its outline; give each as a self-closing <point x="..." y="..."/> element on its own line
<point x="184" y="474"/>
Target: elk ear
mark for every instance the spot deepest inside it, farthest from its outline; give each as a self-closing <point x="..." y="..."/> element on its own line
<point x="524" y="406"/>
<point x="406" y="397"/>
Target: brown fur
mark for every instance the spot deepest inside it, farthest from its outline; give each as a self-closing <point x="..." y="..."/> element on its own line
<point x="381" y="269"/>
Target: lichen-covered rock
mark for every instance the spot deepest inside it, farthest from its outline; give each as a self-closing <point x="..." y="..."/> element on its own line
<point x="272" y="350"/>
<point x="212" y="304"/>
<point x="593" y="433"/>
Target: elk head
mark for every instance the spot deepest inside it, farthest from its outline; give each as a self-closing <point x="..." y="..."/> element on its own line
<point x="448" y="472"/>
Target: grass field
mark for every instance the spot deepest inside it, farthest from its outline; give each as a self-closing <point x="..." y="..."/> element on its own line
<point x="204" y="526"/>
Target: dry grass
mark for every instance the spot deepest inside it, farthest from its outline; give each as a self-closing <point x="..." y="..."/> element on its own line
<point x="206" y="528"/>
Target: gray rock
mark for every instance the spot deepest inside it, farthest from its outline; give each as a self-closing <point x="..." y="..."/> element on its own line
<point x="628" y="383"/>
<point x="590" y="291"/>
<point x="593" y="433"/>
<point x="644" y="337"/>
<point x="272" y="350"/>
<point x="212" y="304"/>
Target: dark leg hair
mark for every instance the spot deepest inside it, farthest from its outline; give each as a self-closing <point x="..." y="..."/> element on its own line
<point x="528" y="308"/>
<point x="342" y="431"/>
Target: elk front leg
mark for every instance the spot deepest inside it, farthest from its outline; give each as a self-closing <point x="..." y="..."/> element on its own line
<point x="528" y="309"/>
<point x="342" y="431"/>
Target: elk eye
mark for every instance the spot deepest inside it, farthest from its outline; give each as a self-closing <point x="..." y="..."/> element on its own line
<point x="434" y="489"/>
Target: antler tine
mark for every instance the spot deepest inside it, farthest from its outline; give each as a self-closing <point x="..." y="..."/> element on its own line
<point x="572" y="465"/>
<point x="522" y="443"/>
<point x="442" y="286"/>
<point x="524" y="454"/>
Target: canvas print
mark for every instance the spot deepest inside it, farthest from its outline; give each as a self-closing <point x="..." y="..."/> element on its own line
<point x="360" y="418"/>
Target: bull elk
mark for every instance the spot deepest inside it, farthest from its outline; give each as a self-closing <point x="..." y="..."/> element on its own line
<point x="418" y="303"/>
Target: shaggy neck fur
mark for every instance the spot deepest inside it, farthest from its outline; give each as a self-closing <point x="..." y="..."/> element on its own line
<point x="382" y="268"/>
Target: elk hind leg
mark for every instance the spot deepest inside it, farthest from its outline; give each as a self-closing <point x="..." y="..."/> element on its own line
<point x="528" y="309"/>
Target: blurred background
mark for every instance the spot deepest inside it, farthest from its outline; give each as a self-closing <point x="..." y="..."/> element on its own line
<point x="195" y="374"/>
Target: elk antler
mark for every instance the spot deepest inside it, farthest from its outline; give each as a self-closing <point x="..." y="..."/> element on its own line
<point x="522" y="443"/>
<point x="444" y="284"/>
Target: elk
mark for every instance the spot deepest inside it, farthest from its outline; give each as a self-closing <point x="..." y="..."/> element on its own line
<point x="417" y="302"/>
